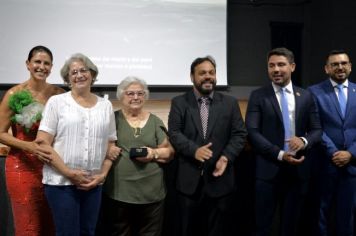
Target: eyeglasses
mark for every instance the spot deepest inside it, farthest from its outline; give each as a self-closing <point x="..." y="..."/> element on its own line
<point x="337" y="64"/>
<point x="132" y="94"/>
<point x="82" y="71"/>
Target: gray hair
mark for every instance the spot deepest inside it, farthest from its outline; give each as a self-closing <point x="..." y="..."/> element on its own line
<point x="125" y="83"/>
<point x="86" y="61"/>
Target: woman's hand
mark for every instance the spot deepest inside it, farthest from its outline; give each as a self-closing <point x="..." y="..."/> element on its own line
<point x="42" y="151"/>
<point x="95" y="180"/>
<point x="78" y="177"/>
<point x="113" y="152"/>
<point x="150" y="156"/>
<point x="164" y="152"/>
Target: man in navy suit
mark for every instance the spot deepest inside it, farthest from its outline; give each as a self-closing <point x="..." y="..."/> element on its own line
<point x="205" y="150"/>
<point x="336" y="102"/>
<point x="282" y="123"/>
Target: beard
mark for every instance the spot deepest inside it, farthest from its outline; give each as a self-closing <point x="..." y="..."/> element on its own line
<point x="203" y="90"/>
<point x="340" y="76"/>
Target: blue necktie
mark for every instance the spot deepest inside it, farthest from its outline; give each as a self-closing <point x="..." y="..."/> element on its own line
<point x="285" y="115"/>
<point x="342" y="99"/>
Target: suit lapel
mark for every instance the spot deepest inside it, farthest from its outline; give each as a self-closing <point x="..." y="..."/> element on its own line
<point x="273" y="99"/>
<point x="298" y="103"/>
<point x="330" y="91"/>
<point x="215" y="110"/>
<point x="351" y="96"/>
<point x="194" y="111"/>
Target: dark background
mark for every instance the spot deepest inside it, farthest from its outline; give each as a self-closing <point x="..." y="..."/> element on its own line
<point x="310" y="28"/>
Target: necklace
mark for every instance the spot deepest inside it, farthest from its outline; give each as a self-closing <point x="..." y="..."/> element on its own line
<point x="136" y="126"/>
<point x="137" y="131"/>
<point x="135" y="123"/>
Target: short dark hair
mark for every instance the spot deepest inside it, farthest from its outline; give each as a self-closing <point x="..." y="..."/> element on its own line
<point x="39" y="48"/>
<point x="282" y="52"/>
<point x="335" y="52"/>
<point x="200" y="60"/>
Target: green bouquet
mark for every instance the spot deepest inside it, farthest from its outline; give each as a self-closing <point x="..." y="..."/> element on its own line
<point x="27" y="110"/>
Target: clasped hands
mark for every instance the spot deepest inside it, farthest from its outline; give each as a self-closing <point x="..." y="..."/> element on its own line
<point x="83" y="179"/>
<point x="294" y="144"/>
<point x="204" y="153"/>
<point x="341" y="158"/>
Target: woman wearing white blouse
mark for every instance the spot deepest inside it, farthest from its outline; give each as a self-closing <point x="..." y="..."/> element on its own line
<point x="80" y="127"/>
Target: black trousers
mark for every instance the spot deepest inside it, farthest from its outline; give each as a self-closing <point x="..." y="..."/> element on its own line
<point x="126" y="219"/>
<point x="287" y="192"/>
<point x="203" y="215"/>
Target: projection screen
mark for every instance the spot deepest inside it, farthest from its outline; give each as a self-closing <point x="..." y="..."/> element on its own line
<point x="152" y="39"/>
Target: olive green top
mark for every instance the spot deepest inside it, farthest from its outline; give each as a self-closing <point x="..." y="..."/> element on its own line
<point x="133" y="181"/>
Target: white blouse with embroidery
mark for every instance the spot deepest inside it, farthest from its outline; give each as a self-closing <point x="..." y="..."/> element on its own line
<point x="81" y="135"/>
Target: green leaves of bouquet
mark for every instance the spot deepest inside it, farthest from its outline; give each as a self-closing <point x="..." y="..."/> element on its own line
<point x="27" y="110"/>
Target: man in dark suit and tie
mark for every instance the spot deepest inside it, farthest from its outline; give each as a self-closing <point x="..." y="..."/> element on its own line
<point x="336" y="101"/>
<point x="282" y="123"/>
<point x="208" y="133"/>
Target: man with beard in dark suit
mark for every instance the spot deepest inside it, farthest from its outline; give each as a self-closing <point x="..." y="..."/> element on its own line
<point x="336" y="100"/>
<point x="208" y="134"/>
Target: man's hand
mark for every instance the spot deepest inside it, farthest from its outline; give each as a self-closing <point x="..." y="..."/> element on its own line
<point x="291" y="159"/>
<point x="220" y="166"/>
<point x="295" y="144"/>
<point x="341" y="158"/>
<point x="204" y="153"/>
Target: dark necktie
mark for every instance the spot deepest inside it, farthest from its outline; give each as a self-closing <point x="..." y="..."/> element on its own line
<point x="285" y="115"/>
<point x="342" y="99"/>
<point x="204" y="114"/>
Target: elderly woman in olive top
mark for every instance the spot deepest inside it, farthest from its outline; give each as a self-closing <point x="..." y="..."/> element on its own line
<point x="134" y="190"/>
<point x="80" y="126"/>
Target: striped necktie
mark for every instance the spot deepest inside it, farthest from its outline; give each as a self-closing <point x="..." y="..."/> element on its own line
<point x="204" y="113"/>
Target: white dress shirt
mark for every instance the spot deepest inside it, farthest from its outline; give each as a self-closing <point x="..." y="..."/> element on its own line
<point x="291" y="104"/>
<point x="346" y="85"/>
<point x="291" y="108"/>
<point x="81" y="135"/>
